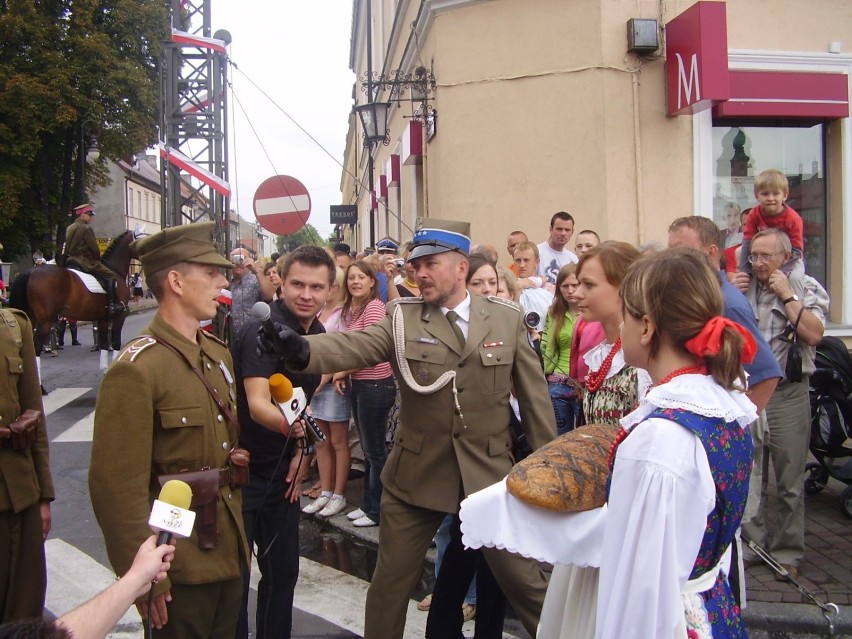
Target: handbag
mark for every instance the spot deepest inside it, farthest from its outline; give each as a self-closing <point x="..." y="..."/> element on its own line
<point x="793" y="369"/>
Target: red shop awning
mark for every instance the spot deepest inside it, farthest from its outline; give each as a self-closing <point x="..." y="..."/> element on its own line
<point x="783" y="94"/>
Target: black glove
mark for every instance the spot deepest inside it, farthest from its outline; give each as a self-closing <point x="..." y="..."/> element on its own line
<point x="286" y="343"/>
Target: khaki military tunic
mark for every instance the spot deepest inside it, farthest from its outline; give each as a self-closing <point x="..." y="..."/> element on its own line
<point x="439" y="452"/>
<point x="24" y="476"/>
<point x="82" y="247"/>
<point x="154" y="416"/>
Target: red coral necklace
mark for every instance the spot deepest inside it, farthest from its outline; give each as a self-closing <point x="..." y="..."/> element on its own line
<point x="697" y="369"/>
<point x="595" y="380"/>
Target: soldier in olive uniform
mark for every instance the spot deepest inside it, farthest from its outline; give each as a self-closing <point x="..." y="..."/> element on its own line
<point x="155" y="416"/>
<point x="26" y="488"/>
<point x="453" y="437"/>
<point x="81" y="250"/>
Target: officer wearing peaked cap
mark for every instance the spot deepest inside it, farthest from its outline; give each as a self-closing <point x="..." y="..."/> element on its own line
<point x="453" y="437"/>
<point x="82" y="252"/>
<point x="154" y="405"/>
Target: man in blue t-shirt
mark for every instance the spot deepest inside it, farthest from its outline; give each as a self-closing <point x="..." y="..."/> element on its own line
<point x="278" y="464"/>
<point x="764" y="373"/>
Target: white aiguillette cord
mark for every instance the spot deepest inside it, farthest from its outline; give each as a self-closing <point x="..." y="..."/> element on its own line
<point x="398" y="327"/>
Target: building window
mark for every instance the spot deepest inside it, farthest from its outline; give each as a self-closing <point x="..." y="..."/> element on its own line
<point x="742" y="152"/>
<point x="130" y="202"/>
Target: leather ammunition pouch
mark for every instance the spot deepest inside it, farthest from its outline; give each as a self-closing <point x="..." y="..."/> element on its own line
<point x="21" y="433"/>
<point x="205" y="486"/>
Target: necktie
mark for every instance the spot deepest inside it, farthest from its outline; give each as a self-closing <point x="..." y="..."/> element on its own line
<point x="452" y="316"/>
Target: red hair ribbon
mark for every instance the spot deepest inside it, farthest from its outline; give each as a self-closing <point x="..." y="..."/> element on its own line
<point x="709" y="340"/>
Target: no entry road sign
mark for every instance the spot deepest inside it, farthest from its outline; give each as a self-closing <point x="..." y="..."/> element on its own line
<point x="282" y="205"/>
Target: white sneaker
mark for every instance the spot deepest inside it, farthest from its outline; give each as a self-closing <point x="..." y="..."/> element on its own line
<point x="355" y="514"/>
<point x="363" y="522"/>
<point x="334" y="506"/>
<point x="316" y="505"/>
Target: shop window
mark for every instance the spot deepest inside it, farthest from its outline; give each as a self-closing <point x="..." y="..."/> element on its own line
<point x="742" y="152"/>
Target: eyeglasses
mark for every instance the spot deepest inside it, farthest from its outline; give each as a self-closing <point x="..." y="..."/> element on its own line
<point x="758" y="258"/>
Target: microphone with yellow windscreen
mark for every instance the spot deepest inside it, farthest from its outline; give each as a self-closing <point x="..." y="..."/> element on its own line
<point x="170" y="514"/>
<point x="292" y="402"/>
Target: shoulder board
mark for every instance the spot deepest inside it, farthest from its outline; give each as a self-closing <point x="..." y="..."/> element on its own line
<point x="409" y="300"/>
<point x="17" y="312"/>
<point x="214" y="338"/>
<point x="503" y="302"/>
<point x="132" y="350"/>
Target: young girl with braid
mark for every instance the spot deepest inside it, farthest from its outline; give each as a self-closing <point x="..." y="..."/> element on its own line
<point x="682" y="460"/>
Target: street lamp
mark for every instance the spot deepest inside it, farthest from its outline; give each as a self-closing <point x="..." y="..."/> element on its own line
<point x="374" y="120"/>
<point x="84" y="153"/>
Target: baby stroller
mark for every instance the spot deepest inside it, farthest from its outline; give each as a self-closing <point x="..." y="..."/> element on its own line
<point x="831" y="420"/>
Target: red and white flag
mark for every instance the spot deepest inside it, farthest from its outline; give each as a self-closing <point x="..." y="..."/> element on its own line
<point x="173" y="156"/>
<point x="182" y="37"/>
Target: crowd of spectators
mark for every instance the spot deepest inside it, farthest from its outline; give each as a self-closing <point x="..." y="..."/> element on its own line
<point x="573" y="314"/>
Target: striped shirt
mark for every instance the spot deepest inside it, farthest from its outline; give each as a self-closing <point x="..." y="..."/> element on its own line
<point x="372" y="313"/>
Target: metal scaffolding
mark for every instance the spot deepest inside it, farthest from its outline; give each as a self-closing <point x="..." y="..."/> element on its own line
<point x="193" y="120"/>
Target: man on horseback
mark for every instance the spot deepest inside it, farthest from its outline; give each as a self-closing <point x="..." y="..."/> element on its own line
<point x="81" y="250"/>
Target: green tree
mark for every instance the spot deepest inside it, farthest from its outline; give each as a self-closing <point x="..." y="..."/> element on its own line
<point x="305" y="235"/>
<point x="70" y="71"/>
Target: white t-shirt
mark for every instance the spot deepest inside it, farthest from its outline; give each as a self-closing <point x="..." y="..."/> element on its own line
<point x="552" y="261"/>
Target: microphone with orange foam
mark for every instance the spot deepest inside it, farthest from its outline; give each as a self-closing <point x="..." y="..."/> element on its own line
<point x="292" y="402"/>
<point x="170" y="515"/>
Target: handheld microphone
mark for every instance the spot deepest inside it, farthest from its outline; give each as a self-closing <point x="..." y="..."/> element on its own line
<point x="292" y="402"/>
<point x="263" y="314"/>
<point x="170" y="515"/>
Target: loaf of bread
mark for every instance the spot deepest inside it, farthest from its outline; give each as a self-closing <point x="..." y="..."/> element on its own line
<point x="569" y="474"/>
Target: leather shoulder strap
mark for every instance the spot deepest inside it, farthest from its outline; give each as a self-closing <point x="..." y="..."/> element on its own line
<point x="232" y="419"/>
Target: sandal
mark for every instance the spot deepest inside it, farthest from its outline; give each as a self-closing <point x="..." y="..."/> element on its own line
<point x="425" y="604"/>
<point x="313" y="492"/>
<point x="468" y="611"/>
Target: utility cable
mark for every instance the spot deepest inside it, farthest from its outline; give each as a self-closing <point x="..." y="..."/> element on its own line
<point x="357" y="179"/>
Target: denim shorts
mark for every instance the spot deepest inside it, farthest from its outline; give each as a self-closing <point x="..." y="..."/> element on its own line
<point x="330" y="406"/>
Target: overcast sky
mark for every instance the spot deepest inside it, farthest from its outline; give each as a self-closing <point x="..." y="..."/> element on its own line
<point x="297" y="51"/>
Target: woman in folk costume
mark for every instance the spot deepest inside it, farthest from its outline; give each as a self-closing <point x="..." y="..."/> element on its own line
<point x="682" y="461"/>
<point x="612" y="389"/>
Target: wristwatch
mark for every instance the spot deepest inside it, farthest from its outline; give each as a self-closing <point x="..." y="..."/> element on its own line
<point x="792" y="298"/>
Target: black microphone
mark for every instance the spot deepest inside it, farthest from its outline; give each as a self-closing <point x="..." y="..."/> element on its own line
<point x="263" y="314"/>
<point x="283" y="340"/>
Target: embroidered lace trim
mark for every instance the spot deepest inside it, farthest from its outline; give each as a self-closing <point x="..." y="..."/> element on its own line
<point x="698" y="394"/>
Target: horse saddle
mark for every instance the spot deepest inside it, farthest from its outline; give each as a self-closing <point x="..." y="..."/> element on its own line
<point x="89" y="281"/>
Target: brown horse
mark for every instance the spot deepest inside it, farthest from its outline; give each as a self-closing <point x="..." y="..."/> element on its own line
<point x="45" y="292"/>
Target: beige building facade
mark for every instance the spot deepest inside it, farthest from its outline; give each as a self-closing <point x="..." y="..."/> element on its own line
<point x="538" y="106"/>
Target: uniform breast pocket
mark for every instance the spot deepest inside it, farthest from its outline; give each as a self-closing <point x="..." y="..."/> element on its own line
<point x="496" y="369"/>
<point x="14" y="368"/>
<point x="181" y="438"/>
<point x="426" y="361"/>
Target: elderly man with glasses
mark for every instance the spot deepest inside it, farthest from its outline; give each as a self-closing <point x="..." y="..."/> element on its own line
<point x="791" y="316"/>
